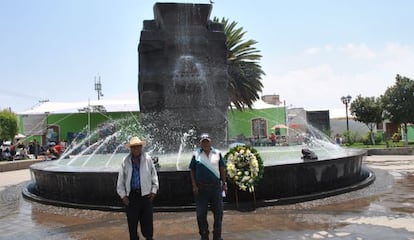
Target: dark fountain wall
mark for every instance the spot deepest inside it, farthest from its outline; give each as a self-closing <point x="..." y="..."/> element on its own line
<point x="183" y="76"/>
<point x="287" y="183"/>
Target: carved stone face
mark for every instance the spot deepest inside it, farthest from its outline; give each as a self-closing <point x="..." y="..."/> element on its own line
<point x="183" y="79"/>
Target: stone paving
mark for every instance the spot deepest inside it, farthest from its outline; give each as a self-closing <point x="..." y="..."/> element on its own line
<point x="384" y="210"/>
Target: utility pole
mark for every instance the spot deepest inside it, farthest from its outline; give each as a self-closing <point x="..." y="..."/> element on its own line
<point x="98" y="86"/>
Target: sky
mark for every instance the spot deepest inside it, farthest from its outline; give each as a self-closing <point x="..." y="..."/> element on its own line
<point x="314" y="52"/>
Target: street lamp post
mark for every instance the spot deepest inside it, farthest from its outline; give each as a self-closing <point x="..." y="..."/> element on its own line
<point x="346" y="100"/>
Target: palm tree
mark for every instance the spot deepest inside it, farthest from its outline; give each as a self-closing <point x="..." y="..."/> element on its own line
<point x="244" y="68"/>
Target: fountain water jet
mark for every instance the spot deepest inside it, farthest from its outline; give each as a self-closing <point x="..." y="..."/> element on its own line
<point x="183" y="91"/>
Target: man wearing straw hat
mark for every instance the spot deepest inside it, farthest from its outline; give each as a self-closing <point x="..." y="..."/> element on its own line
<point x="137" y="186"/>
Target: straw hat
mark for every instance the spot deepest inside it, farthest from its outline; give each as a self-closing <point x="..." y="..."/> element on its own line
<point x="135" y="141"/>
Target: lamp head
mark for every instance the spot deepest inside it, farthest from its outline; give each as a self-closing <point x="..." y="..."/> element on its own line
<point x="346" y="100"/>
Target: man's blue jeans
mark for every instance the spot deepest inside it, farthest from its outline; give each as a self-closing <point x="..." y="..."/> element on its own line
<point x="209" y="194"/>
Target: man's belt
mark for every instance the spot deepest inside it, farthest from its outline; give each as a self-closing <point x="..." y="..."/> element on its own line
<point x="208" y="184"/>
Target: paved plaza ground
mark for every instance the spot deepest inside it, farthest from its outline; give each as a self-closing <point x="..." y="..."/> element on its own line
<point x="384" y="210"/>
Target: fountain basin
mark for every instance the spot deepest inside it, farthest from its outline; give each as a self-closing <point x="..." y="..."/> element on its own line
<point x="281" y="184"/>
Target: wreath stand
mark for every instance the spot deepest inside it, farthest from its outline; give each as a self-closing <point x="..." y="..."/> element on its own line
<point x="236" y="194"/>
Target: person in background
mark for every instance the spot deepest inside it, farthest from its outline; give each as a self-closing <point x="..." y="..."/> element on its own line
<point x="31" y="147"/>
<point x="6" y="155"/>
<point x="137" y="186"/>
<point x="12" y="151"/>
<point x="63" y="145"/>
<point x="272" y="139"/>
<point x="208" y="179"/>
<point x="52" y="153"/>
<point x="58" y="148"/>
<point x="36" y="148"/>
<point x="23" y="153"/>
<point x="338" y="139"/>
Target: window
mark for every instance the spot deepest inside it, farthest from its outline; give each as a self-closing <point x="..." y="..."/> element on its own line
<point x="259" y="126"/>
<point x="380" y="126"/>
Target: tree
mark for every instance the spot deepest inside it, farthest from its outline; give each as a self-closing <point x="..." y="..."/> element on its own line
<point x="398" y="103"/>
<point x="367" y="110"/>
<point x="244" y="69"/>
<point x="8" y="125"/>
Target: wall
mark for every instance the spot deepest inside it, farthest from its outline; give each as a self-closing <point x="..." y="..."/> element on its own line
<point x="68" y="123"/>
<point x="239" y="122"/>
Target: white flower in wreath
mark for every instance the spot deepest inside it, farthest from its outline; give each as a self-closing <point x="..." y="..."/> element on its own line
<point x="231" y="169"/>
<point x="243" y="167"/>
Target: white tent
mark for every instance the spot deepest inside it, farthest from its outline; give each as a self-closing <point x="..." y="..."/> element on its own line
<point x="260" y="104"/>
<point x="110" y="105"/>
<point x="19" y="136"/>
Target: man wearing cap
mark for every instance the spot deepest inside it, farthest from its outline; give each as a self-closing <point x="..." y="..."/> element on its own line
<point x="137" y="186"/>
<point x="208" y="179"/>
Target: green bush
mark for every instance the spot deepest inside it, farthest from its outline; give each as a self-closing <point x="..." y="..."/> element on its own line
<point x="378" y="138"/>
<point x="366" y="140"/>
<point x="350" y="137"/>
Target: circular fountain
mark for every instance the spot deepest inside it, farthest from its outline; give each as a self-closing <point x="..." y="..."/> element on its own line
<point x="189" y="92"/>
<point x="88" y="179"/>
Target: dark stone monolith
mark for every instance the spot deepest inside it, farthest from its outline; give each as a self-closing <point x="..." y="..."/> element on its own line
<point x="183" y="80"/>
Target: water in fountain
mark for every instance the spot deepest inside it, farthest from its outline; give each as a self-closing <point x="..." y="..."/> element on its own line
<point x="104" y="152"/>
<point x="103" y="149"/>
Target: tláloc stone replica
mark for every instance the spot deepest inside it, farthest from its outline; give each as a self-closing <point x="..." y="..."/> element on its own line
<point x="183" y="79"/>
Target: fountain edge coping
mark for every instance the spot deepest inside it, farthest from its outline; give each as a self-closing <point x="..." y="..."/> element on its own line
<point x="6" y="166"/>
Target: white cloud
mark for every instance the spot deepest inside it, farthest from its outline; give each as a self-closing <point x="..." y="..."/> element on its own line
<point x="359" y="51"/>
<point x="320" y="79"/>
<point x="316" y="50"/>
<point x="312" y="51"/>
<point x="328" y="48"/>
<point x="398" y="58"/>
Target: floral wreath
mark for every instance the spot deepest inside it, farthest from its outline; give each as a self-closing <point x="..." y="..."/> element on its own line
<point x="244" y="167"/>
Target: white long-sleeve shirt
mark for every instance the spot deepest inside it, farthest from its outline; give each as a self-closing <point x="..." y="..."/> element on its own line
<point x="147" y="175"/>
